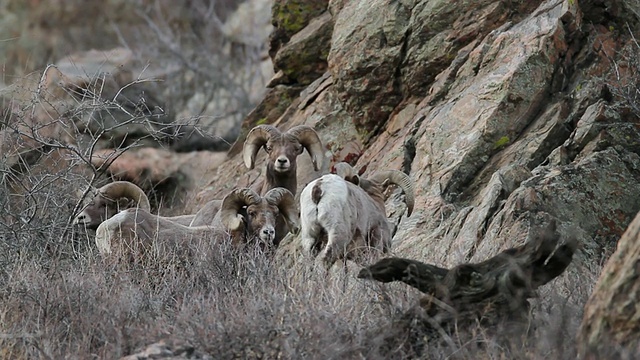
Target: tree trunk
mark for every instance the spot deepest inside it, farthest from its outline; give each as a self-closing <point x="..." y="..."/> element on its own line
<point x="494" y="289"/>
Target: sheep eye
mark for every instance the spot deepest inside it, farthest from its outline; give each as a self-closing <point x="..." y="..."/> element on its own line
<point x="268" y="148"/>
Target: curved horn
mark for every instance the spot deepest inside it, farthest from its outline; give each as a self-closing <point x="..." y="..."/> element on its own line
<point x="309" y="138"/>
<point x="231" y="205"/>
<point x="346" y="171"/>
<point x="257" y="137"/>
<point x="125" y="189"/>
<point x="286" y="202"/>
<point x="401" y="179"/>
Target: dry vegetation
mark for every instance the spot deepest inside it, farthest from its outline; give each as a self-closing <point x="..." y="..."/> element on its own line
<point x="59" y="300"/>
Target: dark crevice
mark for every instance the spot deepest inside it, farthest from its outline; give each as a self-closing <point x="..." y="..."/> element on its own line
<point x="409" y="154"/>
<point x="397" y="83"/>
<point x="397" y="76"/>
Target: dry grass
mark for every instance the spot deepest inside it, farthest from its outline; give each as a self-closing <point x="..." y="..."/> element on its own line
<point x="59" y="300"/>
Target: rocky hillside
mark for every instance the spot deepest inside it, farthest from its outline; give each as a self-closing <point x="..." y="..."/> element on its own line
<point x="508" y="115"/>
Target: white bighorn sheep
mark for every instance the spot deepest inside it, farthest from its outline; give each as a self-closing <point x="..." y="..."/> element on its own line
<point x="243" y="217"/>
<point x="348" y="212"/>
<point x="114" y="197"/>
<point x="282" y="151"/>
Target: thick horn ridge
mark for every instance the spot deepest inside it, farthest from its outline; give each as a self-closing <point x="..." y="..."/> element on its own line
<point x="231" y="205"/>
<point x="309" y="138"/>
<point x="125" y="189"/>
<point x="401" y="179"/>
<point x="257" y="137"/>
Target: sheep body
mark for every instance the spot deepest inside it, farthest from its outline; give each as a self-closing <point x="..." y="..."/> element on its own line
<point x="348" y="216"/>
<point x="206" y="214"/>
<point x="348" y="212"/>
<point x="117" y="196"/>
<point x="137" y="232"/>
<point x="243" y="217"/>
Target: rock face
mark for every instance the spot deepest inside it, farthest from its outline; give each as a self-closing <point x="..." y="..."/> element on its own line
<point x="611" y="315"/>
<point x="505" y="114"/>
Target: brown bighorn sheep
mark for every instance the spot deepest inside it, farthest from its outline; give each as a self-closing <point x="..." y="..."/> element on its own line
<point x="283" y="150"/>
<point x="109" y="200"/>
<point x="243" y="217"/>
<point x="120" y="195"/>
<point x="349" y="213"/>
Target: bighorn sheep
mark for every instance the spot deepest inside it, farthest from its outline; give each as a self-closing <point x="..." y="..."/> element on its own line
<point x="109" y="200"/>
<point x="282" y="150"/>
<point x="243" y="217"/>
<point x="349" y="211"/>
<point x="120" y="195"/>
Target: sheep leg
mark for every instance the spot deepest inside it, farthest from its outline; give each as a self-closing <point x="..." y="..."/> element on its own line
<point x="308" y="240"/>
<point x="381" y="238"/>
<point x="337" y="242"/>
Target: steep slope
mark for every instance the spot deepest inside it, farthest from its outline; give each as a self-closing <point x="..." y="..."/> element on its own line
<point x="504" y="114"/>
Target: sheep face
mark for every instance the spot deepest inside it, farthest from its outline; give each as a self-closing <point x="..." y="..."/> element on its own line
<point x="261" y="221"/>
<point x="245" y="212"/>
<point x="283" y="152"/>
<point x="100" y="208"/>
<point x="108" y="201"/>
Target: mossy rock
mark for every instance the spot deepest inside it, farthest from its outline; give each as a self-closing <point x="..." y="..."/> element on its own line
<point x="290" y="16"/>
<point x="304" y="58"/>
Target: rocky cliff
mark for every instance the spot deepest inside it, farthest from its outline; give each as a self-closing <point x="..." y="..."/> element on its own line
<point x="508" y="115"/>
